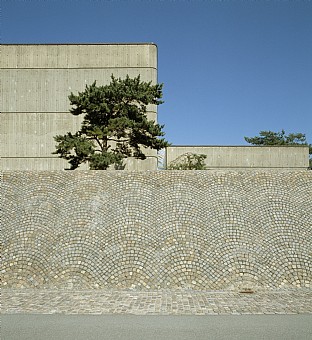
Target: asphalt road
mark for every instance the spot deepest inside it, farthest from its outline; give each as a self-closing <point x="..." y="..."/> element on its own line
<point x="133" y="327"/>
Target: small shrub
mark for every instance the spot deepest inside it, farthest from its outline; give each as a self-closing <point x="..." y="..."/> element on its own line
<point x="188" y="161"/>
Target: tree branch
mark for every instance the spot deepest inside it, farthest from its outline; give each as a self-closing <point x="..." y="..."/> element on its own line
<point x="118" y="140"/>
<point x="99" y="143"/>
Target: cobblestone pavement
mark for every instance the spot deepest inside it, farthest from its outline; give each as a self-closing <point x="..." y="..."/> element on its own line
<point x="155" y="302"/>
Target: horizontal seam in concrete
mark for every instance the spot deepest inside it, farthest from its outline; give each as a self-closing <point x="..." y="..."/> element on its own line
<point x="34" y="157"/>
<point x="78" y="68"/>
<point x="238" y="146"/>
<point x="44" y="112"/>
<point x="78" y="44"/>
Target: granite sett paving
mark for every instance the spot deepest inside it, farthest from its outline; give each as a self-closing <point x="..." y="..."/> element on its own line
<point x="178" y="302"/>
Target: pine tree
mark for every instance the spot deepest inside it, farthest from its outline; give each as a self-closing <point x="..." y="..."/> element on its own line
<point x="280" y="138"/>
<point x="115" y="124"/>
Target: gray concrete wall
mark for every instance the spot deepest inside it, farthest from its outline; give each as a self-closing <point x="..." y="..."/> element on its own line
<point x="35" y="83"/>
<point x="246" y="157"/>
<point x="202" y="230"/>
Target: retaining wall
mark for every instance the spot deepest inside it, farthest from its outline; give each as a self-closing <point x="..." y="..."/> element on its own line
<point x="203" y="230"/>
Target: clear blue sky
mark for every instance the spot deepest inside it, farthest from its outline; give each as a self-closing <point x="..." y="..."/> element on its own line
<point x="229" y="68"/>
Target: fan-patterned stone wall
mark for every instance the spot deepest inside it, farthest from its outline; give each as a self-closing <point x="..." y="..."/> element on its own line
<point x="203" y="230"/>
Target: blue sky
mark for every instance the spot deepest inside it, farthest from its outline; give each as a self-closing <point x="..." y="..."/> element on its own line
<point x="229" y="68"/>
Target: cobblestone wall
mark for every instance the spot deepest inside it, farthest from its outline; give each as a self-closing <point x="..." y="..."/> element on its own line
<point x="201" y="230"/>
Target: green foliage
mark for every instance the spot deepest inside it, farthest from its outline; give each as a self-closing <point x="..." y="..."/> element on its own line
<point x="280" y="138"/>
<point x="188" y="161"/>
<point x="277" y="138"/>
<point x="115" y="125"/>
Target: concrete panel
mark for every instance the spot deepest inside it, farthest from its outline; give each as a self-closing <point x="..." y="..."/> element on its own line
<point x="31" y="134"/>
<point x="235" y="157"/>
<point x="47" y="90"/>
<point x="138" y="165"/>
<point x="79" y="56"/>
<point x="28" y="136"/>
<point x="54" y="163"/>
<point x="35" y="163"/>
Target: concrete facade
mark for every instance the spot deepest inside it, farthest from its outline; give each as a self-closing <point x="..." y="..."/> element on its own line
<point x="35" y="83"/>
<point x="246" y="157"/>
<point x="199" y="230"/>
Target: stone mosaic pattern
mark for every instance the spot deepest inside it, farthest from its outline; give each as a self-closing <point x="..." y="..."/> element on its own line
<point x="198" y="230"/>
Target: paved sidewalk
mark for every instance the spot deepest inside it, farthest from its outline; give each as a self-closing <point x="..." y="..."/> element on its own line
<point x="32" y="301"/>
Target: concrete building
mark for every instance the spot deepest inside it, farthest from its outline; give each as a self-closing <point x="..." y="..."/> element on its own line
<point x="246" y="157"/>
<point x="35" y="83"/>
<point x="37" y="79"/>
